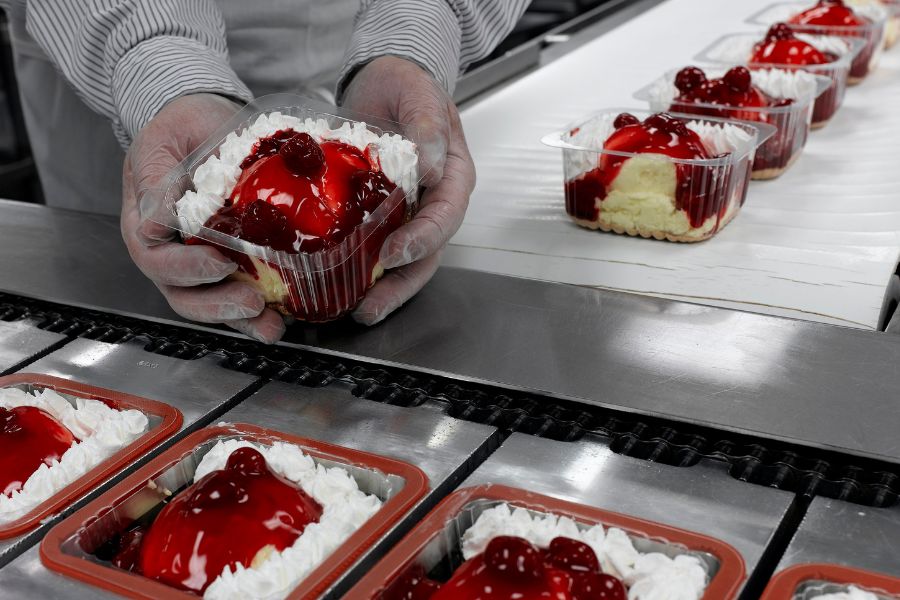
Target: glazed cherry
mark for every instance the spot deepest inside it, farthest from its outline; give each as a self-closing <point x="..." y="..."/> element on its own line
<point x="29" y="437"/>
<point x="688" y="78"/>
<point x="779" y="31"/>
<point x="129" y="549"/>
<point x="598" y="586"/>
<point x="303" y="156"/>
<point x="624" y="120"/>
<point x="829" y="12"/>
<point x="667" y="123"/>
<point x="513" y="557"/>
<point x="572" y="555"/>
<point x="372" y="188"/>
<point x="224" y="519"/>
<point x="414" y="584"/>
<point x="264" y="224"/>
<point x="738" y="79"/>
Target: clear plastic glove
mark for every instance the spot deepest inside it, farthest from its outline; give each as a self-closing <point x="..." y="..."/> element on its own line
<point x="397" y="89"/>
<point x="190" y="277"/>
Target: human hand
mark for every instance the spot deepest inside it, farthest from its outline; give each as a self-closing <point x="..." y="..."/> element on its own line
<point x="397" y="89"/>
<point x="190" y="277"/>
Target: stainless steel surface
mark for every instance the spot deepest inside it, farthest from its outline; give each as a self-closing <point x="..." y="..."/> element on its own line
<point x="701" y="498"/>
<point x="847" y="534"/>
<point x="820" y="385"/>
<point x="195" y="387"/>
<point x="20" y="340"/>
<point x="26" y="577"/>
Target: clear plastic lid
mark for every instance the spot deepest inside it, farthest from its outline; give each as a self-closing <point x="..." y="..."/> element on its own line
<point x="783" y="11"/>
<point x="159" y="205"/>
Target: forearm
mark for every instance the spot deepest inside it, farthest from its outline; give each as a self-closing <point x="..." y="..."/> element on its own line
<point x="442" y="36"/>
<point x="126" y="60"/>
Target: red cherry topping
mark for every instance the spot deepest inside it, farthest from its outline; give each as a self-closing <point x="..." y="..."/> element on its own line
<point x="829" y="12"/>
<point x="625" y="119"/>
<point x="782" y="47"/>
<point x="779" y="31"/>
<point x="572" y="555"/>
<point x="129" y="553"/>
<point x="688" y="78"/>
<point x="224" y="519"/>
<point x="738" y="78"/>
<point x="372" y="187"/>
<point x="29" y="437"/>
<point x="303" y="156"/>
<point x="598" y="586"/>
<point x="264" y="224"/>
<point x="513" y="557"/>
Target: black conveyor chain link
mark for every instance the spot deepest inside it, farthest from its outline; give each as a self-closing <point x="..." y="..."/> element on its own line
<point x="780" y="465"/>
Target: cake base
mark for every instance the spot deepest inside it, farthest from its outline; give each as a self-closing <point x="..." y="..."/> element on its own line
<point x="774" y="172"/>
<point x="819" y="124"/>
<point x="655" y="234"/>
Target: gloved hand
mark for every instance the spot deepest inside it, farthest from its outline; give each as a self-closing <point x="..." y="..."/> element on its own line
<point x="190" y="277"/>
<point x="397" y="89"/>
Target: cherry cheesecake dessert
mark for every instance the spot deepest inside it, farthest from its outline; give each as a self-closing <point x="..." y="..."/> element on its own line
<point x="819" y="55"/>
<point x="315" y="202"/>
<point x="780" y="98"/>
<point x="835" y="17"/>
<point x="48" y="443"/>
<point x="511" y="554"/>
<point x="666" y="177"/>
<point x="253" y="524"/>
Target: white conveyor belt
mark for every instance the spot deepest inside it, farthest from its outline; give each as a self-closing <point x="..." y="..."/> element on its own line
<point x="819" y="243"/>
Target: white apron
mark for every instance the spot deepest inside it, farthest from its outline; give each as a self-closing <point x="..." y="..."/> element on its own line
<point x="274" y="46"/>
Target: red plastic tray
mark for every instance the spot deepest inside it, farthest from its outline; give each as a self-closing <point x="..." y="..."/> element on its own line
<point x="784" y="585"/>
<point x="724" y="585"/>
<point x="171" y="422"/>
<point x="136" y="586"/>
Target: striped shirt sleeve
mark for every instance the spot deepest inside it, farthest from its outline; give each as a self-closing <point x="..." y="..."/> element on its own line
<point x="442" y="36"/>
<point x="127" y="58"/>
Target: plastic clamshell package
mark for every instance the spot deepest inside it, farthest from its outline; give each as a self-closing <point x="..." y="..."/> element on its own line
<point x="792" y="122"/>
<point x="164" y="421"/>
<point x="872" y="33"/>
<point x="437" y="539"/>
<point x="323" y="285"/>
<point x="722" y="180"/>
<point x="810" y="580"/>
<point x="67" y="547"/>
<point x="736" y="48"/>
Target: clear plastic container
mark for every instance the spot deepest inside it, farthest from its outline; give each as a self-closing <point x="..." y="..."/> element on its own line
<point x="792" y="122"/>
<point x="708" y="192"/>
<point x="812" y="580"/>
<point x="872" y="34"/>
<point x="318" y="286"/>
<point x="72" y="547"/>
<point x="434" y="546"/>
<point x="164" y="421"/>
<point x="736" y="48"/>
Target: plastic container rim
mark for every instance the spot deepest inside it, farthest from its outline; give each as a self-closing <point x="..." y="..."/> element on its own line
<point x="873" y="25"/>
<point x="783" y="586"/>
<point x="855" y="46"/>
<point x="760" y="131"/>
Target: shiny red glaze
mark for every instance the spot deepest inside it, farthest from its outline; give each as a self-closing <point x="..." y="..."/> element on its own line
<point x="782" y="47"/>
<point x="29" y="437"/>
<point x="657" y="134"/>
<point x="224" y="520"/>
<point x="128" y="552"/>
<point x="829" y="12"/>
<point x="318" y="194"/>
<point x="511" y="568"/>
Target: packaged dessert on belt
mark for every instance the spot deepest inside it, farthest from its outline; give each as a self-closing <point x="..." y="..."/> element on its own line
<point x="666" y="176"/>
<point x="60" y="439"/>
<point x="822" y="581"/>
<point x="301" y="196"/>
<point x="780" y="98"/>
<point x="786" y="50"/>
<point x="495" y="541"/>
<point x="236" y="511"/>
<point x="835" y="18"/>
